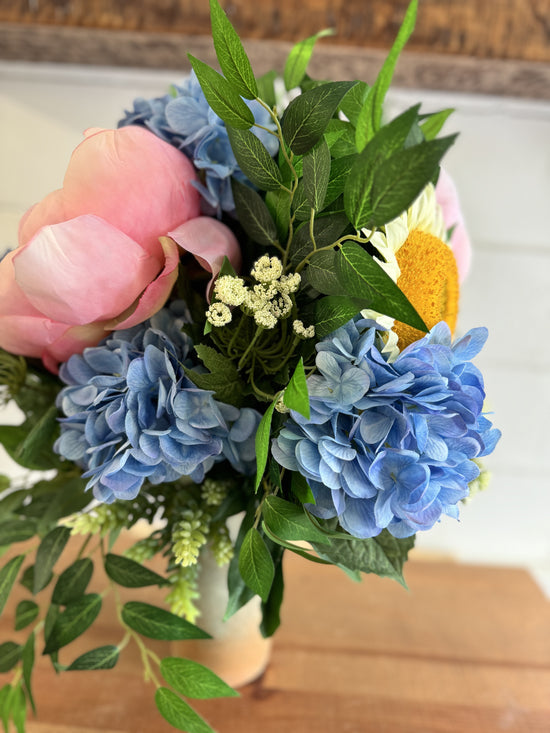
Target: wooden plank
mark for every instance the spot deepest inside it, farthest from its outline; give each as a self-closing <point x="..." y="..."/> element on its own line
<point x="510" y="29"/>
<point x="168" y="51"/>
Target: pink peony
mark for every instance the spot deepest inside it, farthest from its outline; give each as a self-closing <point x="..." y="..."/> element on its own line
<point x="447" y="197"/>
<point x="89" y="258"/>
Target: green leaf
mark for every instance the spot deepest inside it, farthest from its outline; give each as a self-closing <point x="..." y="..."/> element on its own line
<point x="255" y="564"/>
<point x="363" y="279"/>
<point x="10" y="654"/>
<point x="178" y="713"/>
<point x="301" y="489"/>
<point x="27" y="657"/>
<point x="239" y="592"/>
<point x="223" y="378"/>
<point x="433" y="123"/>
<point x="383" y="555"/>
<point x="104" y="657"/>
<point x="73" y="621"/>
<point x="131" y="574"/>
<point x="278" y="204"/>
<point x="157" y="623"/>
<point x="332" y="312"/>
<point x="266" y="88"/>
<point x="52" y="615"/>
<point x="17" y="530"/>
<point x="299" y="57"/>
<point x="27" y="578"/>
<point x="222" y="96"/>
<point x="289" y="521"/>
<point x="321" y="273"/>
<point x="300" y="204"/>
<point x="40" y="438"/>
<point x="254" y="160"/>
<point x="370" y="116"/>
<point x="271" y="616"/>
<point x="339" y="174"/>
<point x="401" y="179"/>
<point x="73" y="581"/>
<point x="194" y="680"/>
<point x="18" y="708"/>
<point x="253" y="214"/>
<point x="296" y="396"/>
<point x="353" y="103"/>
<point x="47" y="555"/>
<point x="230" y="52"/>
<point x="8" y="574"/>
<point x="5" y="705"/>
<point x="307" y="116"/>
<point x="262" y="442"/>
<point x="326" y="230"/>
<point x="25" y="614"/>
<point x="316" y="174"/>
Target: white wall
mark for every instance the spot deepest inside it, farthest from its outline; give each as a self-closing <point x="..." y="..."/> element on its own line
<point x="501" y="165"/>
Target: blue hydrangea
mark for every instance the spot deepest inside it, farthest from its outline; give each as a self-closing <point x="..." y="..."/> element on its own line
<point x="187" y="121"/>
<point x="132" y="414"/>
<point x="390" y="445"/>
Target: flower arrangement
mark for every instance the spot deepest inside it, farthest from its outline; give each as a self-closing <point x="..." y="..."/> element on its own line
<point x="241" y="301"/>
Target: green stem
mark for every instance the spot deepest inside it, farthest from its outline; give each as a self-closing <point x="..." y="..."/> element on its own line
<point x="345" y="238"/>
<point x="242" y="361"/>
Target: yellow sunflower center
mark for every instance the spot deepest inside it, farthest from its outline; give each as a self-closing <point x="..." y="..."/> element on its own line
<point x="429" y="279"/>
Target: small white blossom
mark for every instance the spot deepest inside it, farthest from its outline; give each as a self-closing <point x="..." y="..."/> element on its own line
<point x="281" y="306"/>
<point x="264" y="317"/>
<point x="218" y="314"/>
<point x="267" y="269"/>
<point x="230" y="290"/>
<point x="302" y="331"/>
<point x="289" y="283"/>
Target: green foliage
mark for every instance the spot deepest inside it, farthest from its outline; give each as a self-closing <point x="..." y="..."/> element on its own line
<point x="47" y="555"/>
<point x="77" y="617"/>
<point x="231" y="55"/>
<point x="253" y="214"/>
<point x="255" y="564"/>
<point x="223" y="377"/>
<point x="192" y="679"/>
<point x="104" y="657"/>
<point x="178" y="713"/>
<point x="296" y="396"/>
<point x="254" y="160"/>
<point x="432" y="124"/>
<point x="157" y="623"/>
<point x="289" y="521"/>
<point x="308" y="115"/>
<point x="262" y="442"/>
<point x="10" y="654"/>
<point x="8" y="575"/>
<point x="221" y="96"/>
<point x="27" y="657"/>
<point x="299" y="57"/>
<point x="73" y="581"/>
<point x="317" y="174"/>
<point x="332" y="312"/>
<point x="17" y="530"/>
<point x="239" y="592"/>
<point x="131" y="574"/>
<point x="25" y="613"/>
<point x="271" y="608"/>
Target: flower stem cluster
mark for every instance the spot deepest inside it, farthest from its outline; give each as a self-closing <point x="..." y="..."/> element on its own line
<point x="99" y="520"/>
<point x="222" y="547"/>
<point x="184" y="593"/>
<point x="189" y="535"/>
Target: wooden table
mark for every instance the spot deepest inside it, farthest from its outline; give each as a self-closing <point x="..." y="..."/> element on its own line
<point x="465" y="650"/>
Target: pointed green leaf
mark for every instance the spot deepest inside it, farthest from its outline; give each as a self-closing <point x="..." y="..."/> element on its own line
<point x="316" y="174"/>
<point x="25" y="614"/>
<point x="47" y="555"/>
<point x="278" y="204"/>
<point x="332" y="312"/>
<point x="222" y="96"/>
<point x="18" y="708"/>
<point x="239" y="592"/>
<point x="27" y="657"/>
<point x="255" y="564"/>
<point x="5" y="699"/>
<point x="321" y="273"/>
<point x="10" y="654"/>
<point x="157" y="623"/>
<point x="370" y="116"/>
<point x="299" y="57"/>
<point x="307" y="116"/>
<point x="266" y="88"/>
<point x="222" y="378"/>
<point x="326" y="230"/>
<point x="433" y="123"/>
<point x="104" y="657"/>
<point x="301" y="489"/>
<point x="178" y="713"/>
<point x="352" y="104"/>
<point x="364" y="279"/>
<point x="73" y="621"/>
<point x="131" y="574"/>
<point x="230" y="52"/>
<point x="253" y="214"/>
<point x="40" y="438"/>
<point x="73" y="581"/>
<point x="296" y="396"/>
<point x="254" y="159"/>
<point x="271" y="609"/>
<point x="8" y="575"/>
<point x="262" y="442"/>
<point x="289" y="521"/>
<point x="194" y="680"/>
<point x="16" y="530"/>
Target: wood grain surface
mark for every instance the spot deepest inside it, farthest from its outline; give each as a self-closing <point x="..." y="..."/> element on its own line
<point x="510" y="29"/>
<point x="465" y="650"/>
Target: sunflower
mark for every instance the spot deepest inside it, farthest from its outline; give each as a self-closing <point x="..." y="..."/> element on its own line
<point x="418" y="257"/>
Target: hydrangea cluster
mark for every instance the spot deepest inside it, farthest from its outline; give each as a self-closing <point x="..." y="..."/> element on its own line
<point x="187" y="122"/>
<point x="390" y="445"/>
<point x="267" y="302"/>
<point x="132" y="414"/>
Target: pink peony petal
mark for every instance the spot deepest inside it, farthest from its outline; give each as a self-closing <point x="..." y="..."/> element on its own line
<point x="72" y="341"/>
<point x="209" y="241"/>
<point x="447" y="197"/>
<point x="130" y="165"/>
<point x="156" y="294"/>
<point x="83" y="270"/>
<point x="28" y="335"/>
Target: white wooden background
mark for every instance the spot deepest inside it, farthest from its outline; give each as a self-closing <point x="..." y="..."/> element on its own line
<point x="501" y="165"/>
